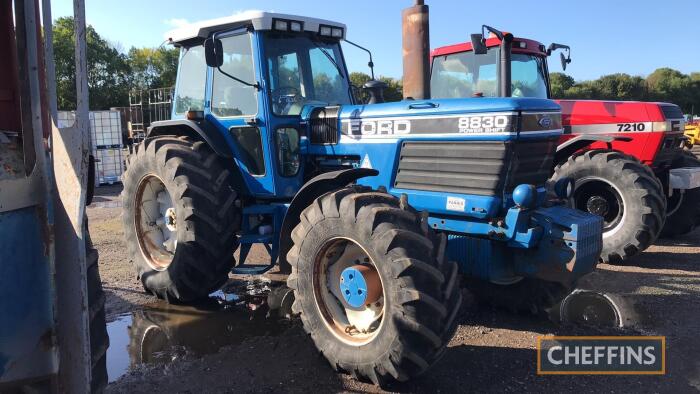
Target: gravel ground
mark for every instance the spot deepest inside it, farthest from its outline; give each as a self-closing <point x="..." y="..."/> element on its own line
<point x="492" y="351"/>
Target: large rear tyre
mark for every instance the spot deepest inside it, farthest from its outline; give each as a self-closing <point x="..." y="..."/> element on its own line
<point x="683" y="214"/>
<point x="372" y="285"/>
<point x="180" y="217"/>
<point x="624" y="192"/>
<point x="526" y="296"/>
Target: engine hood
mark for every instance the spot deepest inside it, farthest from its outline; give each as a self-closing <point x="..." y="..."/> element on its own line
<point x="439" y="107"/>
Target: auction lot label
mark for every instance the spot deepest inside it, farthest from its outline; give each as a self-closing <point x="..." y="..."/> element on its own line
<point x="589" y="355"/>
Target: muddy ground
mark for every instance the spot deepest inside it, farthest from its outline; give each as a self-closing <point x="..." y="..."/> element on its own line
<point x="236" y="344"/>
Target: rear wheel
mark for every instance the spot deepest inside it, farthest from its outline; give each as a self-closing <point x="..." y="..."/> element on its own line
<point x="624" y="192"/>
<point x="372" y="286"/>
<point x="683" y="212"/>
<point x="180" y="218"/>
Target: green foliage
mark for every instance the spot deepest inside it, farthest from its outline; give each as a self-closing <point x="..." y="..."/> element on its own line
<point x="108" y="71"/>
<point x="393" y="92"/>
<point x="664" y="84"/>
<point x="153" y="68"/>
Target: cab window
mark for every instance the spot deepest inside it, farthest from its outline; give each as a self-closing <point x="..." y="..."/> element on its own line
<point x="465" y="75"/>
<point x="231" y="97"/>
<point x="191" y="80"/>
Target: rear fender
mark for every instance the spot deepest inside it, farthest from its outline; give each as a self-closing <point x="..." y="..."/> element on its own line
<point x="311" y="190"/>
<point x="207" y="134"/>
<point x="568" y="148"/>
<point x="192" y="129"/>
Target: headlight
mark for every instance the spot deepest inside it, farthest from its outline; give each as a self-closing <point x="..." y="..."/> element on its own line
<point x="287" y="25"/>
<point x="281" y="25"/>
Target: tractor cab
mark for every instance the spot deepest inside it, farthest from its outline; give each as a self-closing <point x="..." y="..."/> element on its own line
<point x="249" y="76"/>
<point x="498" y="66"/>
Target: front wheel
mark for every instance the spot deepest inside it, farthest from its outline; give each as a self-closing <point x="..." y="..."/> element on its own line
<point x="372" y="286"/>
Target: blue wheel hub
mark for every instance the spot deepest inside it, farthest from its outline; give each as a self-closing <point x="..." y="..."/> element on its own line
<point x="353" y="287"/>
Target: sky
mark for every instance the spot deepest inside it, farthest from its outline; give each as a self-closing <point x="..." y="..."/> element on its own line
<point x="606" y="37"/>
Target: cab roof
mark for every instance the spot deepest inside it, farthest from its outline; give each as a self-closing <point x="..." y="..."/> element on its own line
<point x="259" y="20"/>
<point x="520" y="45"/>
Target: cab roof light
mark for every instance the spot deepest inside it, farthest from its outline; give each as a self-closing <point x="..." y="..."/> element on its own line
<point x="287" y="25"/>
<point x="520" y="44"/>
<point x="330" y="31"/>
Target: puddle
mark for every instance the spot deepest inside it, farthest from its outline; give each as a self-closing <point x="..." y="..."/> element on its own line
<point x="161" y="333"/>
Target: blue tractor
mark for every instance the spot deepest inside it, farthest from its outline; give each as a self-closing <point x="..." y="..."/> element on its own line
<point x="372" y="209"/>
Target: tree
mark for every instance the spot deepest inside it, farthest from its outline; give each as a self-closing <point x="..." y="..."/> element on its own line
<point x="666" y="84"/>
<point x="620" y="87"/>
<point x="153" y="67"/>
<point x="560" y="83"/>
<point x="107" y="70"/>
<point x="393" y="92"/>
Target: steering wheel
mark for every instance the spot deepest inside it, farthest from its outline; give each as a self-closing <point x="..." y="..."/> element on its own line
<point x="285" y="91"/>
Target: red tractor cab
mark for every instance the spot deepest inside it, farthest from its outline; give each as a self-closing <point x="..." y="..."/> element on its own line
<point x="627" y="158"/>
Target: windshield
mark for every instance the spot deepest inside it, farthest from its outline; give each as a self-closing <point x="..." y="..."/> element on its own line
<point x="304" y="70"/>
<point x="467" y="75"/>
<point x="528" y="76"/>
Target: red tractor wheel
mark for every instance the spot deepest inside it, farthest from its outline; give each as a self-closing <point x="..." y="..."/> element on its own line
<point x="624" y="192"/>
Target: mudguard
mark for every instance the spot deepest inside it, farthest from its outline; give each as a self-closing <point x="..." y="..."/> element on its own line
<point x="193" y="129"/>
<point x="571" y="146"/>
<point x="312" y="189"/>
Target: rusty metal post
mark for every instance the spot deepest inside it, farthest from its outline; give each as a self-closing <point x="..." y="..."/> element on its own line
<point x="71" y="149"/>
<point x="416" y="51"/>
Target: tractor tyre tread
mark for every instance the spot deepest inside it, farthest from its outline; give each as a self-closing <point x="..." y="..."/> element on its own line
<point x="641" y="192"/>
<point x="424" y="302"/>
<point x="200" y="184"/>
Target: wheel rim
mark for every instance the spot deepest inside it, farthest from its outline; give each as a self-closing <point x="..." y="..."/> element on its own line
<point x="339" y="291"/>
<point x="602" y="198"/>
<point x="155" y="222"/>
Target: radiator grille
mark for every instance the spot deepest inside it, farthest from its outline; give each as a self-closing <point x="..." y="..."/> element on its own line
<point x="532" y="162"/>
<point x="480" y="168"/>
<point x="324" y="125"/>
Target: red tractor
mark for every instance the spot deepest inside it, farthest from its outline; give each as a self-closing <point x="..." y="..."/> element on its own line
<point x="627" y="158"/>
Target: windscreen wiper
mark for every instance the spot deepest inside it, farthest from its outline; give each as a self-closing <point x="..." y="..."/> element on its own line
<point x="328" y="55"/>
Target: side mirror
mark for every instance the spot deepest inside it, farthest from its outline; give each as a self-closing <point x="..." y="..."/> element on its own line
<point x="213" y="52"/>
<point x="564" y="60"/>
<point x="478" y="44"/>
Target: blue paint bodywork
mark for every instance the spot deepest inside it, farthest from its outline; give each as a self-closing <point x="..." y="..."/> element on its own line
<point x="27" y="328"/>
<point x="491" y="237"/>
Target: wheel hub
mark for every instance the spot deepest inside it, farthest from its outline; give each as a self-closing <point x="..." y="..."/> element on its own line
<point x="156" y="222"/>
<point x="598" y="205"/>
<point x="349" y="292"/>
<point x="170" y="219"/>
<point x="360" y="285"/>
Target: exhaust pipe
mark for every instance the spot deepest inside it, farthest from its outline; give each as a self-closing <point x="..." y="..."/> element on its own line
<point x="416" y="51"/>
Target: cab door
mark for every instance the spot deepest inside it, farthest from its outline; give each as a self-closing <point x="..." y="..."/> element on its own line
<point x="237" y="109"/>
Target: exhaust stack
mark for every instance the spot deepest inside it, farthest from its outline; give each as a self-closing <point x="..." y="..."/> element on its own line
<point x="416" y="51"/>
